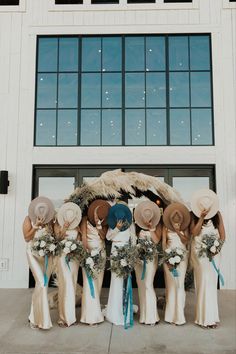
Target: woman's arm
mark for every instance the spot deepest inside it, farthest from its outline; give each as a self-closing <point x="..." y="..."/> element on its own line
<point x="28" y="229"/>
<point x="157" y="234"/>
<point x="164" y="237"/>
<point x="183" y="235"/>
<point x="83" y="228"/>
<point x="221" y="227"/>
<point x="102" y="232"/>
<point x="195" y="229"/>
<point x="111" y="233"/>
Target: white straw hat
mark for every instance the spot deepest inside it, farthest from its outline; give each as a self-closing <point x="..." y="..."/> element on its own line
<point x="69" y="212"/>
<point x="205" y="199"/>
<point x="147" y="211"/>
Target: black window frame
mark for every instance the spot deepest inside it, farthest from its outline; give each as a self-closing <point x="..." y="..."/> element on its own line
<point x="9" y="2"/>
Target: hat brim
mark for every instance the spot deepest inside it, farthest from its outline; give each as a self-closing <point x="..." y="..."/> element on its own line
<point x="102" y="211"/>
<point x="35" y="202"/>
<point x="119" y="212"/>
<point x="195" y="203"/>
<point x="139" y="211"/>
<point x="61" y="215"/>
<point x="182" y="210"/>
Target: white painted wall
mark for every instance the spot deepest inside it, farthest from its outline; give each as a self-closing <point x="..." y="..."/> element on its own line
<point x="19" y="27"/>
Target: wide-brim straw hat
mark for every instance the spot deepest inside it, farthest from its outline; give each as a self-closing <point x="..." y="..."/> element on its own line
<point x="41" y="207"/>
<point x="205" y="199"/>
<point x="69" y="212"/>
<point x="176" y="211"/>
<point x="102" y="207"/>
<point x="147" y="211"/>
<point x="118" y="212"/>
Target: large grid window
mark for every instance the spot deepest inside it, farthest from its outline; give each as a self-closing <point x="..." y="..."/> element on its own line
<point x="124" y="90"/>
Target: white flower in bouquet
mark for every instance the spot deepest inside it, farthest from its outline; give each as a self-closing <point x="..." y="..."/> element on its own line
<point x="213" y="249"/>
<point x="36" y="244"/>
<point x="73" y="247"/>
<point x="90" y="261"/>
<point x="68" y="244"/>
<point x="168" y="250"/>
<point x="204" y="245"/>
<point x="123" y="262"/>
<point x="94" y="252"/>
<point x="216" y="243"/>
<point x="41" y="253"/>
<point x="63" y="241"/>
<point x="177" y="259"/>
<point x="52" y="247"/>
<point x="149" y="250"/>
<point x="172" y="260"/>
<point x="179" y="251"/>
<point x="115" y="253"/>
<point x="42" y="244"/>
<point x="66" y="250"/>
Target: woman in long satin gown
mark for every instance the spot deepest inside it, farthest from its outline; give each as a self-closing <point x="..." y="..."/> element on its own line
<point x="205" y="276"/>
<point x="93" y="239"/>
<point x="67" y="273"/>
<point x="39" y="314"/>
<point x="147" y="296"/>
<point x="175" y="292"/>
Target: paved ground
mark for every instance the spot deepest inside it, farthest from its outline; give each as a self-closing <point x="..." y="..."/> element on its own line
<point x="17" y="338"/>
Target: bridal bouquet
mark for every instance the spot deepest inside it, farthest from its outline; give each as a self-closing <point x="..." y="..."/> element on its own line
<point x="146" y="249"/>
<point x="72" y="249"/>
<point x="44" y="244"/>
<point x="173" y="257"/>
<point x="210" y="245"/>
<point x="123" y="260"/>
<point x="93" y="262"/>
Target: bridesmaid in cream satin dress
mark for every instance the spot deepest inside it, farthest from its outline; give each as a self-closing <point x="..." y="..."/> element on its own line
<point x="147" y="296"/>
<point x="175" y="292"/>
<point x="205" y="276"/>
<point x="67" y="278"/>
<point x="39" y="315"/>
<point x="93" y="239"/>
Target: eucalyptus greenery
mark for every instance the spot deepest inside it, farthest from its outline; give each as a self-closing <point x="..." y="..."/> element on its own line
<point x="210" y="245"/>
<point x="93" y="262"/>
<point x="123" y="260"/>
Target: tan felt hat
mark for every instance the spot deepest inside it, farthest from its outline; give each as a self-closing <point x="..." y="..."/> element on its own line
<point x="102" y="207"/>
<point x="176" y="213"/>
<point x="41" y="207"/>
<point x="146" y="212"/>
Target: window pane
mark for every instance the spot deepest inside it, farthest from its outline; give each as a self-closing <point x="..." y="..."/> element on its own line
<point x="111" y="127"/>
<point x="179" y="89"/>
<point x="111" y="90"/>
<point x="134" y="53"/>
<point x="178" y="53"/>
<point x="47" y="91"/>
<point x="156" y="127"/>
<point x="47" y="54"/>
<point x="90" y="127"/>
<point x="91" y="54"/>
<point x="67" y="127"/>
<point x="134" y="127"/>
<point x="179" y="127"/>
<point x="199" y="53"/>
<point x="186" y="186"/>
<point x="156" y="89"/>
<point x="46" y="127"/>
<point x="155" y="53"/>
<point x="201" y="127"/>
<point x="91" y="90"/>
<point x="200" y="89"/>
<point x="68" y="90"/>
<point x="111" y="56"/>
<point x="56" y="188"/>
<point x="134" y="90"/>
<point x="68" y="54"/>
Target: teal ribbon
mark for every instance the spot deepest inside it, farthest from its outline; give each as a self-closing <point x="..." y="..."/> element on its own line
<point x="174" y="272"/>
<point x="128" y="308"/>
<point x="218" y="272"/>
<point x="144" y="269"/>
<point x="45" y="277"/>
<point x="67" y="262"/>
<point x="90" y="281"/>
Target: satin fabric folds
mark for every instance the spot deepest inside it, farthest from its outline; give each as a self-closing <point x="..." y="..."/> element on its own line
<point x="91" y="308"/>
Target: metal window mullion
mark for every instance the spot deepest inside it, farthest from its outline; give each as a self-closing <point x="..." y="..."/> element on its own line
<point x="79" y="110"/>
<point x="57" y="89"/>
<point x="190" y="103"/>
<point x="101" y="84"/>
<point x="123" y="92"/>
<point x="145" y="89"/>
<point x="167" y="92"/>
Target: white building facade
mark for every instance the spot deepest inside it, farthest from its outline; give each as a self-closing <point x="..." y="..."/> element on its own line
<point x="53" y="135"/>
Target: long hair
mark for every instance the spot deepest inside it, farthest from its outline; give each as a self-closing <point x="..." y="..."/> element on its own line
<point x="215" y="220"/>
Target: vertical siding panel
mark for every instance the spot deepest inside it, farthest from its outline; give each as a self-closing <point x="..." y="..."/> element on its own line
<point x="204" y="12"/>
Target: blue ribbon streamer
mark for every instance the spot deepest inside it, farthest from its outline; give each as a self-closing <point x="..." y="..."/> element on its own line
<point x="90" y="281"/>
<point x="67" y="262"/>
<point x="174" y="272"/>
<point x="144" y="269"/>
<point x="218" y="272"/>
<point x="45" y="277"/>
<point x="128" y="304"/>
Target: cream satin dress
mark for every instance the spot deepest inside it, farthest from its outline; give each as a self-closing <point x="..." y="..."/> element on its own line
<point x="147" y="295"/>
<point x="39" y="313"/>
<point x="205" y="279"/>
<point x="67" y="282"/>
<point x="175" y="292"/>
<point x="114" y="310"/>
<point x="91" y="308"/>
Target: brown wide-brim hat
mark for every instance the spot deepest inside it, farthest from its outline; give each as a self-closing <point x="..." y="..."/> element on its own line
<point x="179" y="211"/>
<point x="147" y="211"/>
<point x="41" y="207"/>
<point x="205" y="199"/>
<point x="102" y="207"/>
<point x="69" y="212"/>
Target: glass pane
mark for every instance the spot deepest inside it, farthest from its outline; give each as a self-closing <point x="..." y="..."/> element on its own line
<point x="91" y="54"/>
<point x="56" y="188"/>
<point x="67" y="127"/>
<point x="156" y="127"/>
<point x="178" y="53"/>
<point x="91" y="90"/>
<point x="179" y="127"/>
<point x="68" y="54"/>
<point x="68" y="91"/>
<point x="199" y="53"/>
<point x="134" y="127"/>
<point x="201" y="127"/>
<point x="155" y="90"/>
<point x="111" y="90"/>
<point x="90" y="127"/>
<point x="155" y="53"/>
<point x="134" y="90"/>
<point x="179" y="89"/>
<point x="46" y="127"/>
<point x="111" y="56"/>
<point x="200" y="89"/>
<point x="47" y="54"/>
<point x="111" y="127"/>
<point x="134" y="53"/>
<point x="186" y="186"/>
<point x="47" y="91"/>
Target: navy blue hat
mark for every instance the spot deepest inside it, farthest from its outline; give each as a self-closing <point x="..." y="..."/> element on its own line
<point x="119" y="212"/>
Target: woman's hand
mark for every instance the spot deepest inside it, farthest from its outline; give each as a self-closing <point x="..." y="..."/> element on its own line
<point x="204" y="213"/>
<point x="39" y="221"/>
<point x="119" y="224"/>
<point x="98" y="222"/>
